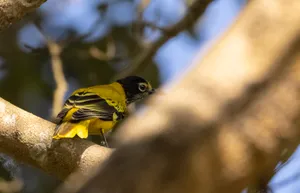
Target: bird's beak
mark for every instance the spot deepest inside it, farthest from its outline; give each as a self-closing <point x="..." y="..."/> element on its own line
<point x="151" y="91"/>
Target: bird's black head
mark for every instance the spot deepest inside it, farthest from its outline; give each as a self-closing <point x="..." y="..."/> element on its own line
<point x="135" y="88"/>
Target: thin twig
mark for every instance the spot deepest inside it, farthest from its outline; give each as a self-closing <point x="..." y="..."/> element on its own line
<point x="193" y="13"/>
<point x="108" y="55"/>
<point x="138" y="26"/>
<point x="98" y="54"/>
<point x="61" y="84"/>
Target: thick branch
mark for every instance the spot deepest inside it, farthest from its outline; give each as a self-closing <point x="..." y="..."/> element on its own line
<point x="235" y="67"/>
<point x="28" y="139"/>
<point x="13" y="10"/>
<point x="223" y="157"/>
<point x="226" y="123"/>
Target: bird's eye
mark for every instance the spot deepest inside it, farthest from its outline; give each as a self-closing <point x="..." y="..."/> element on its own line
<point x="142" y="87"/>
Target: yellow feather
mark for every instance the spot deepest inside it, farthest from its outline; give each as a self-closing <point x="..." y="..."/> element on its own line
<point x="95" y="110"/>
<point x="69" y="130"/>
<point x="82" y="129"/>
<point x="114" y="96"/>
<point x="68" y="116"/>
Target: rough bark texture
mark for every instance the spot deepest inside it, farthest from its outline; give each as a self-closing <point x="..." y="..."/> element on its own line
<point x="226" y="123"/>
<point x="14" y="10"/>
<point x="28" y="139"/>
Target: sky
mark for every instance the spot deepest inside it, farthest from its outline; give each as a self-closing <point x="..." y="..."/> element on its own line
<point x="82" y="14"/>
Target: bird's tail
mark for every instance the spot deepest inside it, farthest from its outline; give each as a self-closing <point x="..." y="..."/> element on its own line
<point x="69" y="129"/>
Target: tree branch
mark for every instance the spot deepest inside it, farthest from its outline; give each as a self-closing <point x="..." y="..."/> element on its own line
<point x="225" y="125"/>
<point x="242" y="111"/>
<point x="28" y="139"/>
<point x="55" y="50"/>
<point x="225" y="156"/>
<point x="192" y="14"/>
<point x="13" y="10"/>
<point x="61" y="83"/>
<point x="233" y="68"/>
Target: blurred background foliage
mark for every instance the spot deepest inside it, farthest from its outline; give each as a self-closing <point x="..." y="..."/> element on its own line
<point x="99" y="40"/>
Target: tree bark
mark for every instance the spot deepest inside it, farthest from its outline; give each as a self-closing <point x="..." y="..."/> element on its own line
<point x="14" y="10"/>
<point x="220" y="128"/>
<point x="225" y="124"/>
<point x="236" y="66"/>
<point x="28" y="138"/>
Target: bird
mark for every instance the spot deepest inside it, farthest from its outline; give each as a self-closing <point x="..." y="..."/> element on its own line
<point x="95" y="110"/>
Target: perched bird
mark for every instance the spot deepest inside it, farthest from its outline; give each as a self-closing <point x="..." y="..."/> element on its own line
<point x="95" y="110"/>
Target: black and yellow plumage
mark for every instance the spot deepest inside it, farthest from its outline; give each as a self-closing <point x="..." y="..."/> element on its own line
<point x="95" y="110"/>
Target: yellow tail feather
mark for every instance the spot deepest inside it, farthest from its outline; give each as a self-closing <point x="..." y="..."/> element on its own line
<point x="69" y="130"/>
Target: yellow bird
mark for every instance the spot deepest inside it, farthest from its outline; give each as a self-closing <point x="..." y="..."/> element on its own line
<point x="95" y="110"/>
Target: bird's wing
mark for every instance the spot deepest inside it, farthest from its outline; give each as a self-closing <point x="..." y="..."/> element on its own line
<point x="89" y="105"/>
